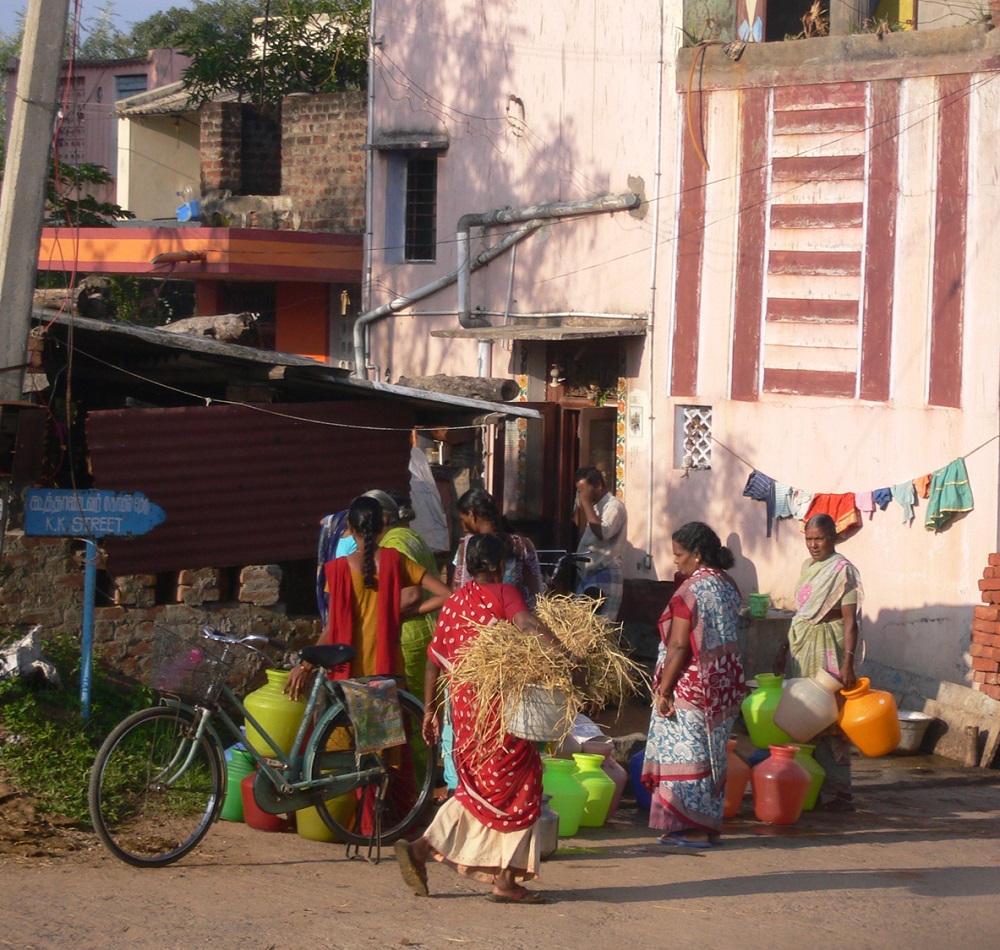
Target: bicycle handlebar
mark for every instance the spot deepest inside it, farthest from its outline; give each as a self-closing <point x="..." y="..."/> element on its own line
<point x="251" y="640"/>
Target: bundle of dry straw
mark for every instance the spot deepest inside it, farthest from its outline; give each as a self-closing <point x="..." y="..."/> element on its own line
<point x="502" y="664"/>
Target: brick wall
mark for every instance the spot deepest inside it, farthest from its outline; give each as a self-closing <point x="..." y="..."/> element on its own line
<point x="323" y="163"/>
<point x="221" y="145"/>
<point x="41" y="582"/>
<point x="261" y="166"/>
<point x="985" y="647"/>
<point x="308" y="153"/>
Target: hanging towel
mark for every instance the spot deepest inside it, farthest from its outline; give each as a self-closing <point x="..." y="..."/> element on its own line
<point x="801" y="500"/>
<point x="923" y="485"/>
<point x="865" y="503"/>
<point x="950" y="494"/>
<point x="842" y="508"/>
<point x="907" y="498"/>
<point x="760" y="487"/>
<point x="882" y="497"/>
<point x="783" y="500"/>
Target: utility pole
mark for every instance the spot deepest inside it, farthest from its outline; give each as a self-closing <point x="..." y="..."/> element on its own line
<point x="22" y="202"/>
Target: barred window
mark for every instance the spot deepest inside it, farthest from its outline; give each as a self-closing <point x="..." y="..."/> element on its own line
<point x="421" y="209"/>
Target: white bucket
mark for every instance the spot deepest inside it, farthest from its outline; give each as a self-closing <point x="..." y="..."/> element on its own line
<point x="912" y="726"/>
<point x="541" y="716"/>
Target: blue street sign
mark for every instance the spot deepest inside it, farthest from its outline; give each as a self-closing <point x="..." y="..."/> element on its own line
<point x="57" y="512"/>
<point x="91" y="513"/>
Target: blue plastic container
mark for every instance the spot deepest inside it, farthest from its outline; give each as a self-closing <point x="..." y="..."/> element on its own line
<point x="643" y="799"/>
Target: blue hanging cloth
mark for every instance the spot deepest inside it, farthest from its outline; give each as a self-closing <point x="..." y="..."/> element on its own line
<point x="760" y="487"/>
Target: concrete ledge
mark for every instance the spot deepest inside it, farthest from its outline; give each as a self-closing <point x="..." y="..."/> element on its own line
<point x="954" y="707"/>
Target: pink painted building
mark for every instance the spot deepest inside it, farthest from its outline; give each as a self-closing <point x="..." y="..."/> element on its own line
<point x="806" y="288"/>
<point x="89" y="91"/>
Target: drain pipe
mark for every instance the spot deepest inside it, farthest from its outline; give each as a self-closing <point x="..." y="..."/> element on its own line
<point x="530" y="218"/>
<point x="362" y="323"/>
<point x="557" y="209"/>
<point x="650" y="321"/>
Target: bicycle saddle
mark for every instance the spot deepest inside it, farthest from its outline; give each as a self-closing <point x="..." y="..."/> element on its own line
<point x="329" y="655"/>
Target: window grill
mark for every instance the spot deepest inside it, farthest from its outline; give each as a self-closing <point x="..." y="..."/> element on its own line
<point x="695" y="431"/>
<point x="421" y="209"/>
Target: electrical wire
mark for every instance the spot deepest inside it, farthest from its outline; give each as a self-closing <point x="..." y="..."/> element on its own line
<point x="256" y="407"/>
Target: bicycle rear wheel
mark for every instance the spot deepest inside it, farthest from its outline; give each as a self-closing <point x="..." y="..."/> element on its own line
<point x="407" y="770"/>
<point x="155" y="787"/>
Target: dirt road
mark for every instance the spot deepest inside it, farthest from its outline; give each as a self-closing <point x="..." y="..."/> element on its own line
<point x="918" y="866"/>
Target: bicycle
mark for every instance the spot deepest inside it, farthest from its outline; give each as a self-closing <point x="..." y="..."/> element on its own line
<point x="560" y="570"/>
<point x="159" y="779"/>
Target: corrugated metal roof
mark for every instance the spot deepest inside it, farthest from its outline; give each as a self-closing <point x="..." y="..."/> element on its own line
<point x="172" y="99"/>
<point x="242" y="486"/>
<point x="102" y="348"/>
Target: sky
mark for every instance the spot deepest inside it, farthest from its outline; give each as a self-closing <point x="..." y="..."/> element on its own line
<point x="126" y="12"/>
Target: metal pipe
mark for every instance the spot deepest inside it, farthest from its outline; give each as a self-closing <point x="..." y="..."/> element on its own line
<point x="401" y="303"/>
<point x="653" y="264"/>
<point x="366" y="289"/>
<point x="531" y="219"/>
<point x="605" y="204"/>
<point x="484" y="358"/>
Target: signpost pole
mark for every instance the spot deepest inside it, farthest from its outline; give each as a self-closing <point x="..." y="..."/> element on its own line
<point x="95" y="513"/>
<point x="87" y="633"/>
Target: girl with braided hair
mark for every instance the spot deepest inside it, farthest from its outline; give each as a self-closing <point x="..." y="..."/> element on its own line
<point x="366" y="603"/>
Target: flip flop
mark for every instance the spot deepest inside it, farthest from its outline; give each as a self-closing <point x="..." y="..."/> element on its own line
<point x="414" y="875"/>
<point x="673" y="838"/>
<point x="527" y="897"/>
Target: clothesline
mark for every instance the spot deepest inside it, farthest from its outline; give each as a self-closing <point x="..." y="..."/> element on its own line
<point x="947" y="491"/>
<point x="736" y="455"/>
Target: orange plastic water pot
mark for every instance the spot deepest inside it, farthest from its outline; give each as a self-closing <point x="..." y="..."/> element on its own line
<point x="870" y="719"/>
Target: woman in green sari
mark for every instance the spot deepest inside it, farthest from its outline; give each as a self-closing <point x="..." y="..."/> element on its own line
<point x="418" y="630"/>
<point x="824" y="635"/>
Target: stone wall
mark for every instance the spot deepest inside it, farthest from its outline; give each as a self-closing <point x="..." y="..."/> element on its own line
<point x="42" y="581"/>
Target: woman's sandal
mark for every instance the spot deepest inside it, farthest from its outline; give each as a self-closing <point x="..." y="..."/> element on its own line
<point x="524" y="897"/>
<point x="675" y="839"/>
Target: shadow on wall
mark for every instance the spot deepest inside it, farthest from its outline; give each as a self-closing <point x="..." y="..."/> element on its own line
<point x="931" y="641"/>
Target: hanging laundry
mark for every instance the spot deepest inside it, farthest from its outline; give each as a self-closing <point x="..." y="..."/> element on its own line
<point x="760" y="487"/>
<point x="882" y="497"/>
<point x="950" y="494"/>
<point x="842" y="508"/>
<point x="783" y="500"/>
<point x="865" y="503"/>
<point x="801" y="500"/>
<point x="922" y="485"/>
<point x="907" y="498"/>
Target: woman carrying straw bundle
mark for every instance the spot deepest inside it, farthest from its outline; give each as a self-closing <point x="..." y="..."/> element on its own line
<point x="487" y="830"/>
<point x="697" y="690"/>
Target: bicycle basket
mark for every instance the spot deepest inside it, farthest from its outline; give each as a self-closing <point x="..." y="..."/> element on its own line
<point x="187" y="666"/>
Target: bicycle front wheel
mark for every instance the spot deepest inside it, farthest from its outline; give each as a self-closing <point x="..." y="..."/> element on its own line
<point x="155" y="786"/>
<point x="407" y="771"/>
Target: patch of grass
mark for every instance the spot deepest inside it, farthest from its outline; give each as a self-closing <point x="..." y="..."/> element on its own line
<point x="46" y="748"/>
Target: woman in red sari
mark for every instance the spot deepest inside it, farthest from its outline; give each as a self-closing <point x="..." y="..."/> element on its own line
<point x="487" y="829"/>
